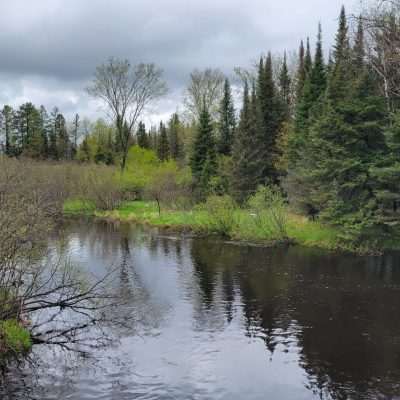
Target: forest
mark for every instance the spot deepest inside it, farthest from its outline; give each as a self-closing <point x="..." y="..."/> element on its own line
<point x="317" y="135"/>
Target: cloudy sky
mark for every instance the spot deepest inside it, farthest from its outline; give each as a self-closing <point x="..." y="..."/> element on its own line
<point x="50" y="48"/>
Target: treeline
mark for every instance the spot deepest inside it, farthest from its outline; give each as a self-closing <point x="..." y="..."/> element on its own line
<point x="328" y="136"/>
<point x="326" y="133"/>
<point x="33" y="132"/>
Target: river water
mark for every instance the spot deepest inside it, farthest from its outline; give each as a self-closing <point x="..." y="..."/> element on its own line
<point x="208" y="319"/>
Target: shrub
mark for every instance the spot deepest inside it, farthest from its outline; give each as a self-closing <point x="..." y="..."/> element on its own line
<point x="221" y="214"/>
<point x="101" y="186"/>
<point x="269" y="212"/>
<point x="14" y="337"/>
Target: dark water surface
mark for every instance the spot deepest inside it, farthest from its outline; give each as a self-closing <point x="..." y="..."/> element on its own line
<point x="214" y="320"/>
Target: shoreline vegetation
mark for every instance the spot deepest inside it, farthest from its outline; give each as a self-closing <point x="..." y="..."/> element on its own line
<point x="307" y="154"/>
<point x="242" y="225"/>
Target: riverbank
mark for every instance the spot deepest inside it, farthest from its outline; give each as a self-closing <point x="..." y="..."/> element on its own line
<point x="15" y="339"/>
<point x="299" y="230"/>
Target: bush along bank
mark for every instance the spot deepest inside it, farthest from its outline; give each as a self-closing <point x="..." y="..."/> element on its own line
<point x="265" y="219"/>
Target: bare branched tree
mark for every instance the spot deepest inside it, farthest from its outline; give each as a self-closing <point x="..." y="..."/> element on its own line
<point x="126" y="91"/>
<point x="382" y="25"/>
<point x="205" y="87"/>
<point x="57" y="303"/>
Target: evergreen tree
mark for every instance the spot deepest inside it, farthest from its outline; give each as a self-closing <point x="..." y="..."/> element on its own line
<point x="269" y="112"/>
<point x="308" y="58"/>
<point x="285" y="87"/>
<point x="175" y="140"/>
<point x="62" y="139"/>
<point x="163" y="145"/>
<point x="245" y="174"/>
<point x="309" y="103"/>
<point x="359" y="47"/>
<point x="342" y="67"/>
<point x="226" y="122"/>
<point x="8" y="128"/>
<point x="142" y="139"/>
<point x="301" y="72"/>
<point x="44" y="121"/>
<point x="53" y="150"/>
<point x="75" y="135"/>
<point x="203" y="160"/>
<point x="342" y="146"/>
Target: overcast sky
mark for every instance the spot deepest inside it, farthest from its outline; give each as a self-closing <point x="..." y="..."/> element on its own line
<point x="49" y="48"/>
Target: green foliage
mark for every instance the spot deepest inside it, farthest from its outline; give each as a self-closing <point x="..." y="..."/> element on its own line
<point x="221" y="214"/>
<point x="268" y="111"/>
<point x="142" y="138"/>
<point x="270" y="212"/>
<point x="13" y="337"/>
<point x="98" y="146"/>
<point x="226" y="122"/>
<point x="141" y="165"/>
<point x="245" y="169"/>
<point x="175" y="133"/>
<point x="163" y="144"/>
<point x="204" y="158"/>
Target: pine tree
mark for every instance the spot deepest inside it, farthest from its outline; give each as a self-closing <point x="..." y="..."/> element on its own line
<point x="342" y="67"/>
<point x="309" y="103"/>
<point x="285" y="88"/>
<point x="53" y="150"/>
<point x="62" y="138"/>
<point x="269" y="122"/>
<point x="75" y="135"/>
<point x="8" y="120"/>
<point x="203" y="160"/>
<point x="245" y="175"/>
<point x="359" y="47"/>
<point x="227" y="121"/>
<point x="142" y="138"/>
<point x="175" y="140"/>
<point x="44" y="121"/>
<point x="308" y="59"/>
<point x="385" y="175"/>
<point x="301" y="72"/>
<point x="163" y="145"/>
<point x="343" y="143"/>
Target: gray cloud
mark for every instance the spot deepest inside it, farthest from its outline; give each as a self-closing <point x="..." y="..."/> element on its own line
<point x="50" y="48"/>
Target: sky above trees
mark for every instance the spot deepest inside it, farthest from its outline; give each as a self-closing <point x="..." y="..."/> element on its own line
<point x="50" y="48"/>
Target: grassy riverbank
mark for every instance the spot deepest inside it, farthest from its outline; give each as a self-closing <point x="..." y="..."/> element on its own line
<point x="14" y="338"/>
<point x="243" y="227"/>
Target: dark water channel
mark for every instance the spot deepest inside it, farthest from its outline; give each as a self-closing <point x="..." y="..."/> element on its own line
<point x="215" y="320"/>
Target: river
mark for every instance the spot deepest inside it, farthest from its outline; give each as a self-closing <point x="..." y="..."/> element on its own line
<point x="209" y="319"/>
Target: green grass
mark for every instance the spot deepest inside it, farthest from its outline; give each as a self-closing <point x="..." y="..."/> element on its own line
<point x="78" y="207"/>
<point x="14" y="337"/>
<point x="299" y="229"/>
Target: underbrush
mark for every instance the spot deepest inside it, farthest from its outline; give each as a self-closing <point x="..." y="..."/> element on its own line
<point x="14" y="338"/>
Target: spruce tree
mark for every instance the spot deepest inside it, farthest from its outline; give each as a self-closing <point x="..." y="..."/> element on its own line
<point x="285" y="87"/>
<point x="227" y="121"/>
<point x="175" y="140"/>
<point x="358" y="54"/>
<point x="301" y="72"/>
<point x="163" y="145"/>
<point x="142" y="138"/>
<point x="245" y="174"/>
<point x="308" y="104"/>
<point x="343" y="143"/>
<point x="8" y="128"/>
<point x="62" y="138"/>
<point x="53" y="150"/>
<point x="308" y="58"/>
<point x="203" y="160"/>
<point x="44" y="121"/>
<point x="269" y="108"/>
